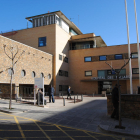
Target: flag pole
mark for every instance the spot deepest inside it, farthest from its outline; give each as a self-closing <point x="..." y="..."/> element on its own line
<point x="138" y="47"/>
<point x="130" y="69"/>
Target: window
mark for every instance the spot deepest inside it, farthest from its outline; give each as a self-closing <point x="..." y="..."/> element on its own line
<point x="60" y="87"/>
<point x="122" y="72"/>
<point x="118" y="56"/>
<point x="49" y="76"/>
<point x="101" y="73"/>
<point x="10" y="71"/>
<point x="42" y="41"/>
<point x="60" y="57"/>
<point x="63" y="87"/>
<point x="135" y="70"/>
<point x="60" y="73"/>
<point x="88" y="59"/>
<point x="102" y="58"/>
<point x="33" y="74"/>
<point x="134" y="55"/>
<point x="88" y="73"/>
<point x="110" y="72"/>
<point x="41" y="75"/>
<point x="23" y="73"/>
<point x="66" y="73"/>
<point x="66" y="59"/>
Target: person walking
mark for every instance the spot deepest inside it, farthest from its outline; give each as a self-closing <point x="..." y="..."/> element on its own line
<point x="51" y="94"/>
<point x="115" y="101"/>
<point x="69" y="92"/>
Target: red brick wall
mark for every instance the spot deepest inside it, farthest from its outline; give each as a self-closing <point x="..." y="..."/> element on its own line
<point x="130" y="106"/>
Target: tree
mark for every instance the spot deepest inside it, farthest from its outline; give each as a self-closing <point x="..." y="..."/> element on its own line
<point x="117" y="74"/>
<point x="14" y="59"/>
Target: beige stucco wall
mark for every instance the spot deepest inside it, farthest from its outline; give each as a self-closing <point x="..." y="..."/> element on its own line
<point x="31" y="60"/>
<point x="62" y="48"/>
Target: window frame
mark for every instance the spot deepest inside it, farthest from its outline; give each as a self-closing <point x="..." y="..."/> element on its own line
<point x="134" y="69"/>
<point x="43" y="42"/>
<point x="87" y="57"/>
<point x="116" y="55"/>
<point x="103" y="60"/>
<point x="88" y="71"/>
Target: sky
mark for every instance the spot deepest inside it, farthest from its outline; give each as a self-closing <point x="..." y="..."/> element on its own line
<point x="105" y="18"/>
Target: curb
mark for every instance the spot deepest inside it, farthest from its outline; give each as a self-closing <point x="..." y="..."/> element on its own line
<point x="10" y="112"/>
<point x="118" y="133"/>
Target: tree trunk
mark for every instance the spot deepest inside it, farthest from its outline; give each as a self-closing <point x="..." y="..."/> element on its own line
<point x="11" y="89"/>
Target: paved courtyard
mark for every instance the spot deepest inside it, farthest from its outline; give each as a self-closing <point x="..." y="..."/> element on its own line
<point x="86" y="116"/>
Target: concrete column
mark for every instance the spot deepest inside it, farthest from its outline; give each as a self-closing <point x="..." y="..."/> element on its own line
<point x="16" y="90"/>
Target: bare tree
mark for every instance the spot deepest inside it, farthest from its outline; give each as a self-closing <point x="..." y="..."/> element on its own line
<point x="117" y="72"/>
<point x="14" y="59"/>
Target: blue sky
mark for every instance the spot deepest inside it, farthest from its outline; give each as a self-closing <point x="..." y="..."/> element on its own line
<point x="105" y="18"/>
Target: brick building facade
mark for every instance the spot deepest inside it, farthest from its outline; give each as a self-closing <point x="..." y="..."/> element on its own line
<point x="32" y="64"/>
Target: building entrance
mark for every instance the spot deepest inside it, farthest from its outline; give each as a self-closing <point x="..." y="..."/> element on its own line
<point x="28" y="90"/>
<point x="104" y="86"/>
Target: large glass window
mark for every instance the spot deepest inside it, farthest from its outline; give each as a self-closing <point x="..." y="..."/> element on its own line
<point x="123" y="72"/>
<point x="102" y="58"/>
<point x="135" y="70"/>
<point x="88" y="59"/>
<point x="88" y="73"/>
<point x="41" y="41"/>
<point x="101" y="73"/>
<point x="118" y="56"/>
<point x="134" y="55"/>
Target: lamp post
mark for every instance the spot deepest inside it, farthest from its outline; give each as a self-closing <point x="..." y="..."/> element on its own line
<point x="130" y="69"/>
<point x="138" y="47"/>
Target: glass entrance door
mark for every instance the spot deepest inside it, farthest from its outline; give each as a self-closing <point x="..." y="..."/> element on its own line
<point x="104" y="86"/>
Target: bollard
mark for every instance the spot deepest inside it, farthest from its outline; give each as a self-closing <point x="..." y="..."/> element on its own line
<point x="82" y="97"/>
<point x="74" y="99"/>
<point x="63" y="101"/>
<point x="93" y="94"/>
<point x="59" y="94"/>
<point x="38" y="99"/>
<point x="77" y="96"/>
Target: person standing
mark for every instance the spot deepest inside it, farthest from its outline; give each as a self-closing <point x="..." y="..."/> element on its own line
<point x="115" y="101"/>
<point x="51" y="93"/>
<point x="39" y="96"/>
<point x="69" y="92"/>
